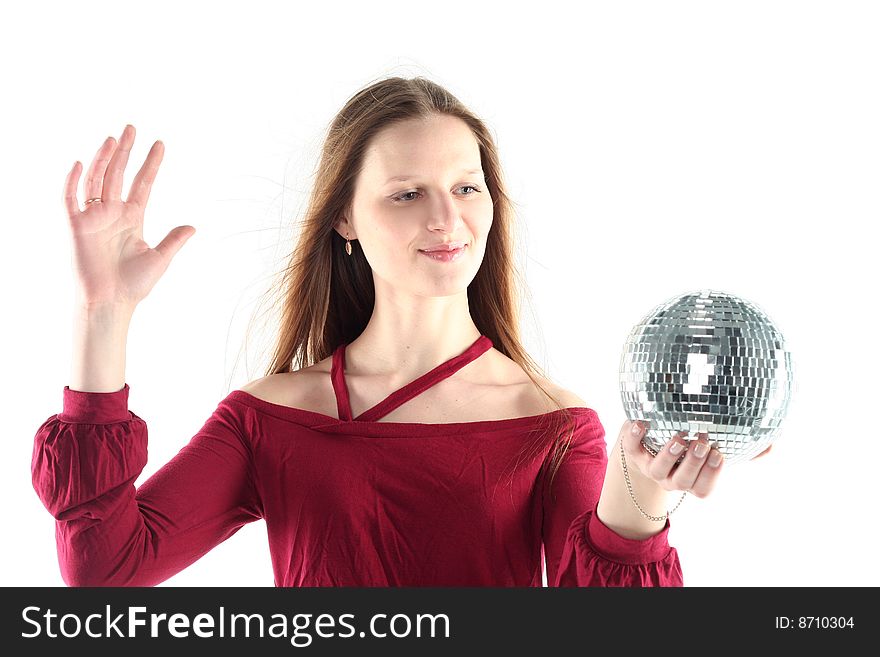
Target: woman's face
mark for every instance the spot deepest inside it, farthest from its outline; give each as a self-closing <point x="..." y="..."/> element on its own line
<point x="442" y="199"/>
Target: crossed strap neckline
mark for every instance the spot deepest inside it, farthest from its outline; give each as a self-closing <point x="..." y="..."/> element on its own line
<point x="407" y="392"/>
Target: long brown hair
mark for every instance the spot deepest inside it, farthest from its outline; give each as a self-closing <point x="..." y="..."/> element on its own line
<point x="327" y="296"/>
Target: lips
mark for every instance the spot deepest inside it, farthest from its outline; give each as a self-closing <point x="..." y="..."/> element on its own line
<point x="443" y="254"/>
<point x="449" y="246"/>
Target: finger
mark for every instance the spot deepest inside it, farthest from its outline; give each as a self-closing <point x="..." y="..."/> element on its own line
<point x="95" y="177"/>
<point x="174" y="241"/>
<point x="71" y="203"/>
<point x="631" y="438"/>
<point x="684" y="476"/>
<point x="663" y="464"/>
<point x="764" y="453"/>
<point x="143" y="181"/>
<point x="639" y="455"/>
<point x="709" y="473"/>
<point x="113" y="178"/>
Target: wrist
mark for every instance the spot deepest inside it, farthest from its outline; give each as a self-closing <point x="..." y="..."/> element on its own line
<point x="616" y="508"/>
<point x="100" y="336"/>
<point x="103" y="309"/>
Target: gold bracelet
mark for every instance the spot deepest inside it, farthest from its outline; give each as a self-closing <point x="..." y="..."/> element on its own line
<point x="632" y="495"/>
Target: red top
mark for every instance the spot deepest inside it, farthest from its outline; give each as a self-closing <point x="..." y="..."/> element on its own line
<point x="347" y="502"/>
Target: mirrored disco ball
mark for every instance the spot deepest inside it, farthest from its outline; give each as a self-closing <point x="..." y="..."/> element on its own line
<point x="707" y="362"/>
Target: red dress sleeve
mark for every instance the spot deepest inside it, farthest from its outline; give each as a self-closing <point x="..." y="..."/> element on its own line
<point x="84" y="465"/>
<point x="579" y="549"/>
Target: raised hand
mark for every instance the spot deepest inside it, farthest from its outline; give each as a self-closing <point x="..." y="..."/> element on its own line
<point x="111" y="262"/>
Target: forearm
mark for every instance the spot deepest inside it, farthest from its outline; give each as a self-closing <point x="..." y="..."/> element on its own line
<point x="100" y="336"/>
<point x="616" y="509"/>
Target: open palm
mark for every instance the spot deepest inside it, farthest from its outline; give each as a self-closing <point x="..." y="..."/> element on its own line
<point x="111" y="261"/>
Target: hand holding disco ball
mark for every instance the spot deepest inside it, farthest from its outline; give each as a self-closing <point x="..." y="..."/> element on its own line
<point x="707" y="363"/>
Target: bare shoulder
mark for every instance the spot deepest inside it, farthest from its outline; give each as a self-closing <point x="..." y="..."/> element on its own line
<point x="566" y="398"/>
<point x="502" y="387"/>
<point x="308" y="389"/>
<point x="531" y="400"/>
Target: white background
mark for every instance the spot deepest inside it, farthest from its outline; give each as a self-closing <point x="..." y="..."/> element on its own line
<point x="652" y="149"/>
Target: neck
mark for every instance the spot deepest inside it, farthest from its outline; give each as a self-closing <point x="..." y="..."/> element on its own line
<point x="407" y="337"/>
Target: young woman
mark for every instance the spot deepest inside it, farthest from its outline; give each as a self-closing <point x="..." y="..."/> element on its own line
<point x="414" y="443"/>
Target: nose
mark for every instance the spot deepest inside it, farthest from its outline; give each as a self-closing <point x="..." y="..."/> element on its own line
<point x="445" y="214"/>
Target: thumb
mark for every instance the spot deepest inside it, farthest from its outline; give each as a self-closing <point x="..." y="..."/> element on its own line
<point x="631" y="441"/>
<point x="174" y="240"/>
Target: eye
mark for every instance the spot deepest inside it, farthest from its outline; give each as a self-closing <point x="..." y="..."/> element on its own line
<point x="403" y="197"/>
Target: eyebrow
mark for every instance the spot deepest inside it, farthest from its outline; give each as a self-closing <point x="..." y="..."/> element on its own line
<point x="410" y="177"/>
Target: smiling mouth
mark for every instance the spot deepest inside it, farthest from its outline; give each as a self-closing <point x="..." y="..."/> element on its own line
<point x="444" y="256"/>
<point x="447" y="246"/>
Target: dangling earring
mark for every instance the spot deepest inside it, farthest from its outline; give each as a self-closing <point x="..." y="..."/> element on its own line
<point x="347" y="245"/>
